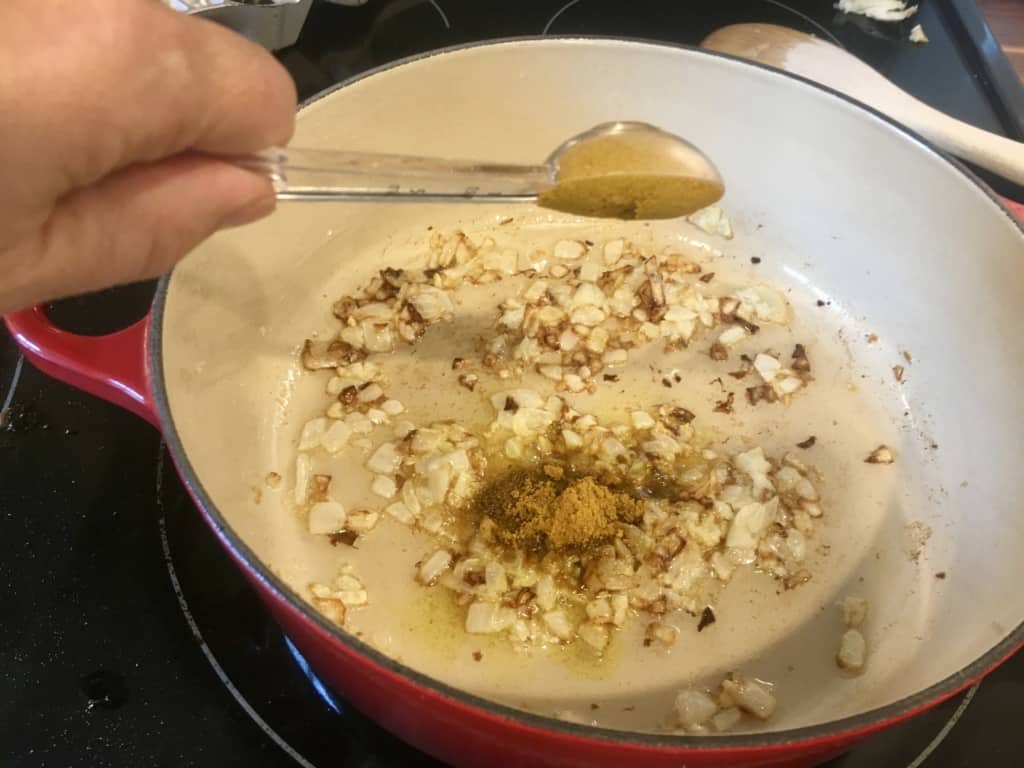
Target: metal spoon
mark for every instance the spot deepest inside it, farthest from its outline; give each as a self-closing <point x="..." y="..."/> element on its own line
<point x="621" y="170"/>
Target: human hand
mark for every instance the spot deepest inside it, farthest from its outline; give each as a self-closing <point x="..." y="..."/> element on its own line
<point x="106" y="111"/>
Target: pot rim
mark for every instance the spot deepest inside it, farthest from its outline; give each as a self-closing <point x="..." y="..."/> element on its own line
<point x="863" y="722"/>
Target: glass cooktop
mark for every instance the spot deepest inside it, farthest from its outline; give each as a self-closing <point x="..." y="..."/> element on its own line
<point x="129" y="639"/>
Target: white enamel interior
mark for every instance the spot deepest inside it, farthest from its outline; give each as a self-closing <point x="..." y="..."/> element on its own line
<point x="839" y="205"/>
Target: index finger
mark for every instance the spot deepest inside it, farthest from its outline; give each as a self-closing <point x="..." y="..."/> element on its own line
<point x="131" y="82"/>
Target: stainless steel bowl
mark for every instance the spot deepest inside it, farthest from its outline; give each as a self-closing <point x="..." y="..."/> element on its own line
<point x="274" y="24"/>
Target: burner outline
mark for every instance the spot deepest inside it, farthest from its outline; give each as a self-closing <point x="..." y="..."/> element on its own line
<point x="559" y="12"/>
<point x="172" y="573"/>
<point x="824" y="30"/>
<point x="809" y="20"/>
<point x="13" y="386"/>
<point x="945" y="730"/>
<point x="440" y="10"/>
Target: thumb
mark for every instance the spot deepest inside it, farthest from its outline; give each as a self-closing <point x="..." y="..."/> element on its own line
<point x="134" y="224"/>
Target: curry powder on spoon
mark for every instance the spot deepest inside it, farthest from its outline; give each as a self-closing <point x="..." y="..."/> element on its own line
<point x="628" y="176"/>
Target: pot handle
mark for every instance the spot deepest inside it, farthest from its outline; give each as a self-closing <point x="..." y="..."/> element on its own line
<point x="113" y="367"/>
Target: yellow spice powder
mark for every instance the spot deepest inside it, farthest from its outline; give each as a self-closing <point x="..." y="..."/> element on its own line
<point x="547" y="511"/>
<point x="626" y="177"/>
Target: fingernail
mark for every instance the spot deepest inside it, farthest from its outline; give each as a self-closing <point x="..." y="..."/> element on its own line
<point x="251" y="211"/>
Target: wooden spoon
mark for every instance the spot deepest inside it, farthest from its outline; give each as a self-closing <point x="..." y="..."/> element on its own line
<point x="817" y="60"/>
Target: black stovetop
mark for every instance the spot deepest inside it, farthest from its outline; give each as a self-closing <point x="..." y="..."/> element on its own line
<point x="128" y="637"/>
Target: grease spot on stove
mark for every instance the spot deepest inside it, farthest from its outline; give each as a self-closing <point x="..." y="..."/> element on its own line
<point x="21" y="418"/>
<point x="103" y="689"/>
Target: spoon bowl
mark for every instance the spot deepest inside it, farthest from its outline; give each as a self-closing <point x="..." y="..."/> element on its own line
<point x="631" y="170"/>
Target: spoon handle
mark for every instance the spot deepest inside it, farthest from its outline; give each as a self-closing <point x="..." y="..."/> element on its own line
<point x="1002" y="156"/>
<point x="319" y="174"/>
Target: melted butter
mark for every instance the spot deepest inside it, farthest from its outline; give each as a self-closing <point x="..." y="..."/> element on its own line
<point x="582" y="659"/>
<point x="436" y="621"/>
<point x="629" y="176"/>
